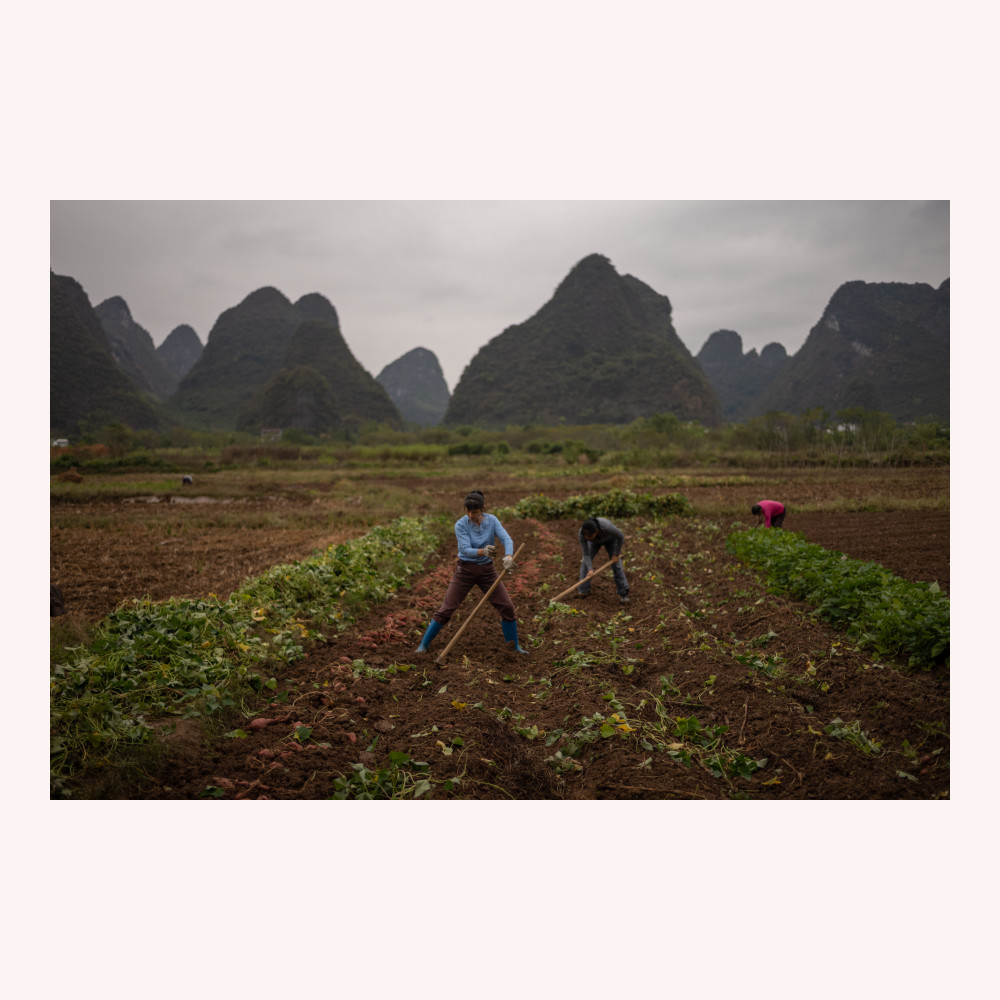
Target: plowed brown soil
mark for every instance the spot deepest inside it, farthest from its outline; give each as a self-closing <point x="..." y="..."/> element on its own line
<point x="701" y="644"/>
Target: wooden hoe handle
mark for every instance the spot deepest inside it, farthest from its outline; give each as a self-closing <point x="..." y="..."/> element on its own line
<point x="593" y="572"/>
<point x="493" y="586"/>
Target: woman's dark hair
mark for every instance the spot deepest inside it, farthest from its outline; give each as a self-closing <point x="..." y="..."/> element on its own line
<point x="590" y="526"/>
<point x="755" y="509"/>
<point x="475" y="500"/>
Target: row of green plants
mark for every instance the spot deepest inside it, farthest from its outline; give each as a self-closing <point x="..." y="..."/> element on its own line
<point x="895" y="618"/>
<point x="611" y="503"/>
<point x="194" y="658"/>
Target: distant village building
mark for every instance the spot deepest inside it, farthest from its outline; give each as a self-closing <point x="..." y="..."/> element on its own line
<point x="60" y="443"/>
<point x="270" y="434"/>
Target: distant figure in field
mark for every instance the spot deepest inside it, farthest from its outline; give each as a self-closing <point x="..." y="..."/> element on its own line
<point x="770" y="511"/>
<point x="187" y="481"/>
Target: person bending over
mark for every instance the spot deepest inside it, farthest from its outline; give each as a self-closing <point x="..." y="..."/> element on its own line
<point x="597" y="533"/>
<point x="770" y="512"/>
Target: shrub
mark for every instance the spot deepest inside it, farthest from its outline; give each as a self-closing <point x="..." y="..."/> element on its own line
<point x="895" y="617"/>
<point x="614" y="503"/>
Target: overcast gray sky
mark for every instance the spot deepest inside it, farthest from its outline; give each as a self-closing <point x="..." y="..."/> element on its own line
<point x="451" y="275"/>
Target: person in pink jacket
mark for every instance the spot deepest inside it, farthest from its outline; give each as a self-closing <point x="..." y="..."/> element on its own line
<point x="771" y="511"/>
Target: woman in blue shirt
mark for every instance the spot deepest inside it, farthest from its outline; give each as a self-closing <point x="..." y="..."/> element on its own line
<point x="477" y="534"/>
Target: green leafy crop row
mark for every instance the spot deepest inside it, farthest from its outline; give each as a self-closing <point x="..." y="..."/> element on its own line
<point x="895" y="617"/>
<point x="613" y="503"/>
<point x="195" y="657"/>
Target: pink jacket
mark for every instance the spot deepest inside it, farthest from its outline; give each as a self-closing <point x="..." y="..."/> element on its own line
<point x="770" y="508"/>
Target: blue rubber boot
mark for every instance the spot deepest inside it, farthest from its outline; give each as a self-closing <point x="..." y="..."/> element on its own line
<point x="510" y="634"/>
<point x="432" y="630"/>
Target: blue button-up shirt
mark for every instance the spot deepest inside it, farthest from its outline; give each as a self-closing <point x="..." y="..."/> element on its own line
<point x="472" y="536"/>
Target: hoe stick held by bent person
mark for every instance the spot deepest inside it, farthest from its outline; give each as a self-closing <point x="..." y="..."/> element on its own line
<point x="593" y="572"/>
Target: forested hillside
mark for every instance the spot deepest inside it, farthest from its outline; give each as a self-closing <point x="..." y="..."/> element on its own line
<point x="602" y="350"/>
<point x="877" y="346"/>
<point x="738" y="378"/>
<point x="180" y="350"/>
<point x="87" y="390"/>
<point x="416" y="385"/>
<point x="320" y="387"/>
<point x="244" y="351"/>
<point x="133" y="349"/>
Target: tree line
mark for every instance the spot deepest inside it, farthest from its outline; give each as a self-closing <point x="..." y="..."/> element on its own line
<point x="848" y="437"/>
